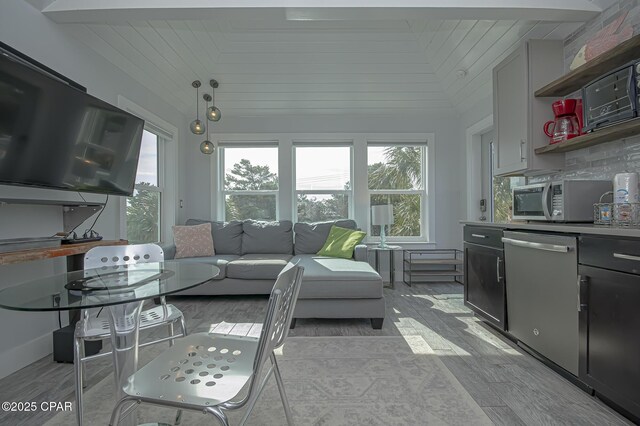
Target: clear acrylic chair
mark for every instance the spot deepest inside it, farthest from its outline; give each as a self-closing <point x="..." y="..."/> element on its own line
<point x="207" y="372"/>
<point x="91" y="328"/>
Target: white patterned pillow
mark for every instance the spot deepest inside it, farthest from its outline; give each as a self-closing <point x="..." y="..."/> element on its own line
<point x="193" y="241"/>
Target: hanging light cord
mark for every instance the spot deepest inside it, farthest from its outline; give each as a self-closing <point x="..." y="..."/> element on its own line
<point x="197" y="103"/>
<point x="207" y="120"/>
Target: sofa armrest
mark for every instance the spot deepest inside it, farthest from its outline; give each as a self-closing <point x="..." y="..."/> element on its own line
<point x="169" y="251"/>
<point x="361" y="253"/>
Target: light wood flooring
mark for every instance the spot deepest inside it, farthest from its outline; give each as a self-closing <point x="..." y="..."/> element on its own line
<point x="511" y="387"/>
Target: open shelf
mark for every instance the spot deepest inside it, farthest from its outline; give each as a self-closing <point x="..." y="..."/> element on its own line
<point x="623" y="53"/>
<point x="436" y="261"/>
<point x="607" y="134"/>
<point x="438" y="273"/>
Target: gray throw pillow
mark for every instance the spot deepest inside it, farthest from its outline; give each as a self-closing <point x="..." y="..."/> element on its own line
<point x="310" y="237"/>
<point x="267" y="237"/>
<point x="227" y="236"/>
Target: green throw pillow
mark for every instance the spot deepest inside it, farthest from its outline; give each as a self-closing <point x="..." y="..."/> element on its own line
<point x="341" y="242"/>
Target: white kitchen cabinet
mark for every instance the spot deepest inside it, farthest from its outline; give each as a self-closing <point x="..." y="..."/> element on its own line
<point x="518" y="115"/>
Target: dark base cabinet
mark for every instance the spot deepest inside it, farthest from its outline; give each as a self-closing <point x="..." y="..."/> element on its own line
<point x="610" y="321"/>
<point x="484" y="286"/>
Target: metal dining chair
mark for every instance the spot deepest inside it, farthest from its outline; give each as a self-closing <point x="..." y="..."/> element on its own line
<point x="91" y="328"/>
<point x="207" y="372"/>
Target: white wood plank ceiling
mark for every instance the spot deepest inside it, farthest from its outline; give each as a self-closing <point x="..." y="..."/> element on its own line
<point x="267" y="63"/>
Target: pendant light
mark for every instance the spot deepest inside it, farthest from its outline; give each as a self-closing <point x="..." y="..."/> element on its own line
<point x="213" y="113"/>
<point x="207" y="147"/>
<point x="196" y="126"/>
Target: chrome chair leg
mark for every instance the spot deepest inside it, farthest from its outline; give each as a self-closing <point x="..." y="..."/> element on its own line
<point x="170" y="333"/>
<point x="183" y="325"/>
<point x="253" y="401"/>
<point x="78" y="354"/>
<point x="178" y="419"/>
<point x="283" y="395"/>
<point x="117" y="411"/>
<point x="217" y="412"/>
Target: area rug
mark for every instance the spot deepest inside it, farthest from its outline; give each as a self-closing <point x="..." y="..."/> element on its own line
<point x="335" y="381"/>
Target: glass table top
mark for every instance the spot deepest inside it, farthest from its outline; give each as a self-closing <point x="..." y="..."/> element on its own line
<point x="111" y="285"/>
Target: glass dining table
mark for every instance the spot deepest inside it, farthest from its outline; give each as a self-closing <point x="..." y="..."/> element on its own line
<point x="121" y="290"/>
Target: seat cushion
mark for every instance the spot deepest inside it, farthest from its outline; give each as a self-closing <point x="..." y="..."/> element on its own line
<point x="310" y="237"/>
<point x="227" y="236"/>
<point x="267" y="237"/>
<point x="335" y="278"/>
<point x="221" y="261"/>
<point x="257" y="266"/>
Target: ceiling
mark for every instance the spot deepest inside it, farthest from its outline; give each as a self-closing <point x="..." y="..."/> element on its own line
<point x="269" y="64"/>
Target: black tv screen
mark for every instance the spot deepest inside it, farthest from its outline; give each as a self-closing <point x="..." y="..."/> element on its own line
<point x="53" y="135"/>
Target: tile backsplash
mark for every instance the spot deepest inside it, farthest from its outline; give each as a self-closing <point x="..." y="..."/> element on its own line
<point x="601" y="161"/>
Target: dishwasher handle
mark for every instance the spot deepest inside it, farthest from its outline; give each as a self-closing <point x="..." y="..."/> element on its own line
<point x="537" y="246"/>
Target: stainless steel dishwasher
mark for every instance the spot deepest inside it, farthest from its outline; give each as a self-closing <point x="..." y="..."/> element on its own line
<point x="542" y="294"/>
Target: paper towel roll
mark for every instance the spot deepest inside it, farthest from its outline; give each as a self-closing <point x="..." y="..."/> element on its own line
<point x="625" y="188"/>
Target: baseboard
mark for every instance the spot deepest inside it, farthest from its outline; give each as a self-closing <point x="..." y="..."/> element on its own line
<point x="19" y="357"/>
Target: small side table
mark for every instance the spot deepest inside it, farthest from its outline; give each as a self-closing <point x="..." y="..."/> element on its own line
<point x="392" y="264"/>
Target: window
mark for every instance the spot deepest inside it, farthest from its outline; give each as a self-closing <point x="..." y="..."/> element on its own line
<point x="502" y="188"/>
<point x="143" y="210"/>
<point x="397" y="176"/>
<point x="250" y="183"/>
<point x="323" y="183"/>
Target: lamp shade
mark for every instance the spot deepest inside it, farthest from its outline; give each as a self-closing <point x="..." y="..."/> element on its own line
<point x="382" y="215"/>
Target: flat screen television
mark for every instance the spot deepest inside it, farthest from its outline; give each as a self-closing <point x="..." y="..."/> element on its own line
<point x="53" y="135"/>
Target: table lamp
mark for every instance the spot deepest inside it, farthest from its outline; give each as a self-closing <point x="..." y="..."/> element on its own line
<point x="382" y="215"/>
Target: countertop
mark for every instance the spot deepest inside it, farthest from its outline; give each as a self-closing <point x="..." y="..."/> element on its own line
<point x="568" y="228"/>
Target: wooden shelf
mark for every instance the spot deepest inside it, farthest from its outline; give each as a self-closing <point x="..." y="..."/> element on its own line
<point x="21" y="256"/>
<point x="607" y="134"/>
<point x="623" y="53"/>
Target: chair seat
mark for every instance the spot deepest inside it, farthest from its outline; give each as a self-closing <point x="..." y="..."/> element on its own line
<point x="98" y="327"/>
<point x="199" y="370"/>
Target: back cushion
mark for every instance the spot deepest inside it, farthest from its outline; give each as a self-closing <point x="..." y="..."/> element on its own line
<point x="310" y="237"/>
<point x="227" y="236"/>
<point x="267" y="237"/>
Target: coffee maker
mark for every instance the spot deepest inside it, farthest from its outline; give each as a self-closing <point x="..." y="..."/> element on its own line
<point x="568" y="122"/>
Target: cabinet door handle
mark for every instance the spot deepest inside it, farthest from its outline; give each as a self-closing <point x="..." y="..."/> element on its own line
<point x="582" y="286"/>
<point x="522" y="142"/>
<point x="626" y="257"/>
<point x="479" y="236"/>
<point x="499" y="278"/>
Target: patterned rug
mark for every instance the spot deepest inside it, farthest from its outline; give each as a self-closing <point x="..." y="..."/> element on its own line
<point x="335" y="381"/>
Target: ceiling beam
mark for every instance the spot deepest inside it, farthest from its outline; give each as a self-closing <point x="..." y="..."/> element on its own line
<point x="115" y="11"/>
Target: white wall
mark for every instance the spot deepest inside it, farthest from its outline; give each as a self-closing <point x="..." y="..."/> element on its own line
<point x="449" y="159"/>
<point x="26" y="337"/>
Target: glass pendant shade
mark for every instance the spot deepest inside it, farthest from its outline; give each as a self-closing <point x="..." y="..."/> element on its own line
<point x="206" y="147"/>
<point x="213" y="113"/>
<point x="197" y="127"/>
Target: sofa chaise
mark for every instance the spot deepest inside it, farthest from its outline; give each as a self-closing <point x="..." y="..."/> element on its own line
<point x="250" y="254"/>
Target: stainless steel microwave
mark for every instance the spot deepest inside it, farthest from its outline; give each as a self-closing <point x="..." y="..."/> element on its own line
<point x="560" y="201"/>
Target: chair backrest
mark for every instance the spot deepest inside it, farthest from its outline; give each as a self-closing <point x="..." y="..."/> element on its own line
<point x="105" y="256"/>
<point x="282" y="303"/>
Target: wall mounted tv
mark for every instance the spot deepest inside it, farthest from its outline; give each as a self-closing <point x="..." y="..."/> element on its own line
<point x="53" y="135"/>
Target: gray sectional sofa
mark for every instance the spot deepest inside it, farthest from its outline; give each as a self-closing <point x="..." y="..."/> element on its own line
<point x="250" y="254"/>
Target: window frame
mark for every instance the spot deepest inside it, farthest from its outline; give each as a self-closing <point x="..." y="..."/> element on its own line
<point x="348" y="192"/>
<point x="168" y="135"/>
<point x="222" y="192"/>
<point x="159" y="189"/>
<point x="425" y="204"/>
